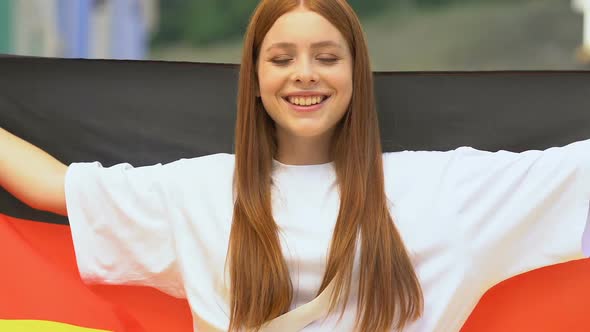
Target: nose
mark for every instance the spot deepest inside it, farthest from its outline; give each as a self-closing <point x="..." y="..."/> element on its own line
<point x="305" y="73"/>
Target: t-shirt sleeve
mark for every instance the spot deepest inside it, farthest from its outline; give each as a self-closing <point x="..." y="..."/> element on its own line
<point x="520" y="211"/>
<point x="120" y="224"/>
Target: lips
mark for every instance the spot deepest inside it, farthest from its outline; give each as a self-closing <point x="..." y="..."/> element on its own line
<point x="306" y="108"/>
<point x="306" y="100"/>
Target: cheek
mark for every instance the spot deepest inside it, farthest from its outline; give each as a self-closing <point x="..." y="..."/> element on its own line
<point x="269" y="81"/>
<point x="344" y="85"/>
<point x="341" y="79"/>
<point x="268" y="91"/>
<point x="348" y="80"/>
<point x="270" y="85"/>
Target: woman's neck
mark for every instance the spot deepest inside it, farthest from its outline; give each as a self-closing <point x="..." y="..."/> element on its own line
<point x="293" y="150"/>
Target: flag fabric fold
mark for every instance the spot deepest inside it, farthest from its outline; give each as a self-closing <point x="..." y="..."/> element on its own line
<point x="40" y="282"/>
<point x="551" y="298"/>
<point x="42" y="290"/>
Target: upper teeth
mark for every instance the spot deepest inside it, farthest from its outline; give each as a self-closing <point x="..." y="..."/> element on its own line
<point x="306" y="101"/>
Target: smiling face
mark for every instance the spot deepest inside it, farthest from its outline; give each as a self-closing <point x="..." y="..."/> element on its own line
<point x="305" y="75"/>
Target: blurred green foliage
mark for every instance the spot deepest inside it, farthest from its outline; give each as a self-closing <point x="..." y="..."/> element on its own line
<point x="199" y="22"/>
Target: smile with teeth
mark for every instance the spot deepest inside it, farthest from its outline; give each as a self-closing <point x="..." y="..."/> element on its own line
<point x="305" y="100"/>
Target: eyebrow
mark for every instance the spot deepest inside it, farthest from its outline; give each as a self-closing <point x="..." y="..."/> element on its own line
<point x="326" y="43"/>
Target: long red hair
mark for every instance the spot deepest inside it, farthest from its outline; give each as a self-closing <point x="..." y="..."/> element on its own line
<point x="390" y="295"/>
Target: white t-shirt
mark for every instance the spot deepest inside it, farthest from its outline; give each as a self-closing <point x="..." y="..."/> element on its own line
<point x="469" y="219"/>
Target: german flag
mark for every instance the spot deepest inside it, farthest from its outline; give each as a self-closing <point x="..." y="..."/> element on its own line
<point x="41" y="289"/>
<point x="548" y="299"/>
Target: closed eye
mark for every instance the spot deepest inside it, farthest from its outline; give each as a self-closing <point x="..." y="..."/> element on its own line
<point x="329" y="60"/>
<point x="280" y="62"/>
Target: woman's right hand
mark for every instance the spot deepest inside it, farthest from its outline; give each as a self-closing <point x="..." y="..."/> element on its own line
<point x="31" y="174"/>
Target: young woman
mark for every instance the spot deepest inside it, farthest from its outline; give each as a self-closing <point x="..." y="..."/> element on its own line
<point x="310" y="226"/>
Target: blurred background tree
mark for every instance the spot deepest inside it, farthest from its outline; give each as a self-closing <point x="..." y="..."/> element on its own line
<point x="201" y="22"/>
<point x="204" y="21"/>
<point x="403" y="35"/>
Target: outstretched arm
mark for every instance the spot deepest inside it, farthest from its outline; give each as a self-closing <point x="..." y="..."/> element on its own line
<point x="31" y="174"/>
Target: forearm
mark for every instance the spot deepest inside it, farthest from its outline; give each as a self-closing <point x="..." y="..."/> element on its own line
<point x="31" y="175"/>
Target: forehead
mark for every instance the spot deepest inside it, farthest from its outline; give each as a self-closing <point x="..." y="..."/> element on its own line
<point x="302" y="27"/>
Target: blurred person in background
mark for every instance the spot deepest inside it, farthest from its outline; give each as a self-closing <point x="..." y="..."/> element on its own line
<point x="583" y="6"/>
<point x="78" y="29"/>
